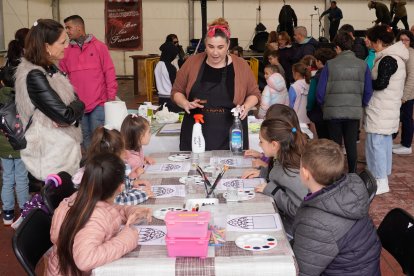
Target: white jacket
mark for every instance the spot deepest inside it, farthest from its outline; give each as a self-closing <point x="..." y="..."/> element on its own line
<point x="275" y="92"/>
<point x="383" y="111"/>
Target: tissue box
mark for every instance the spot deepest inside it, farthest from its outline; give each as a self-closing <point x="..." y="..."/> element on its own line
<point x="187" y="224"/>
<point x="188" y="247"/>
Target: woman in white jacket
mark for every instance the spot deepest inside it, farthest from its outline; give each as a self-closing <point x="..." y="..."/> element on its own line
<point x="383" y="110"/>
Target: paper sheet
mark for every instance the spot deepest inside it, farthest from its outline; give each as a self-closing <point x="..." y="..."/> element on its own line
<point x="151" y="235"/>
<point x="239" y="162"/>
<point x="173" y="167"/>
<point x="165" y="191"/>
<point x="244" y="184"/>
<point x="254" y="223"/>
<point x="171" y="129"/>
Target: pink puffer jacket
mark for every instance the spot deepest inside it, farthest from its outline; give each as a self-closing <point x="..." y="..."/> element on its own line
<point x="100" y="241"/>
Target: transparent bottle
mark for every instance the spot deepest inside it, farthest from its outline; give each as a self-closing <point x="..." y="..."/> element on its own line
<point x="236" y="134"/>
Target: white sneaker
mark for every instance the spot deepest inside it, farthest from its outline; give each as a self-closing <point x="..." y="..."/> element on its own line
<point x="396" y="146"/>
<point x="382" y="186"/>
<point x="402" y="150"/>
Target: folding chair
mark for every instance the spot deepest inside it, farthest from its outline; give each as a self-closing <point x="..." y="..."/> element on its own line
<point x="32" y="239"/>
<point x="396" y="233"/>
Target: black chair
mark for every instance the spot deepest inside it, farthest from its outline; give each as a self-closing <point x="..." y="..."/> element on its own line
<point x="32" y="239"/>
<point x="396" y="233"/>
<point x="52" y="196"/>
<point x="370" y="183"/>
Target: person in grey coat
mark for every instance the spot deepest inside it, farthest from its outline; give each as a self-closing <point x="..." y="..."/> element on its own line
<point x="333" y="233"/>
<point x="282" y="140"/>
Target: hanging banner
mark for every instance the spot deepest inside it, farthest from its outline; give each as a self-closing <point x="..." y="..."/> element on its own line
<point x="123" y="24"/>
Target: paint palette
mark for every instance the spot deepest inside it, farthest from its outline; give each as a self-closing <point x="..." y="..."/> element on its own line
<point x="242" y="195"/>
<point x="160" y="213"/>
<point x="179" y="157"/>
<point x="197" y="179"/>
<point x="256" y="242"/>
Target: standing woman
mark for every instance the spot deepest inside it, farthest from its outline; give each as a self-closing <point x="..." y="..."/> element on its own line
<point x="286" y="53"/>
<point x="45" y="95"/>
<point x="212" y="83"/>
<point x="406" y="111"/>
<point x="383" y="110"/>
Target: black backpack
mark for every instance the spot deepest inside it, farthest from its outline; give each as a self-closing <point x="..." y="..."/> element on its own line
<point x="10" y="123"/>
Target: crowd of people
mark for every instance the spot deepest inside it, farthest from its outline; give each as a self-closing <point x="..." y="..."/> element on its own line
<point x="336" y="89"/>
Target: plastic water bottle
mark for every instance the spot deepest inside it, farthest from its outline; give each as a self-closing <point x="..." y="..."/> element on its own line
<point x="236" y="133"/>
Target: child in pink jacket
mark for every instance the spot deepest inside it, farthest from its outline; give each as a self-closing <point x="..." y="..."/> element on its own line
<point x="86" y="229"/>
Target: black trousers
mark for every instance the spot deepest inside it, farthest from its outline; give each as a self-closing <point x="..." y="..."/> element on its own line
<point x="395" y="22"/>
<point x="333" y="29"/>
<point x="348" y="131"/>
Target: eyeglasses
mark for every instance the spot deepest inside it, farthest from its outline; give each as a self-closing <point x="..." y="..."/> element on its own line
<point x="175" y="42"/>
<point x="405" y="39"/>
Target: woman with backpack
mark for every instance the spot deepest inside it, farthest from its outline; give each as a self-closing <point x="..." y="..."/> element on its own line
<point x="45" y="94"/>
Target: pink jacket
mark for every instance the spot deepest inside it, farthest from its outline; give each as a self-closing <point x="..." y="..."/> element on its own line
<point x="100" y="241"/>
<point x="135" y="158"/>
<point x="91" y="72"/>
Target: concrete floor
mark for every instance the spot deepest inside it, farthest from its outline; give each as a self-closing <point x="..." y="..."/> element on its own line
<point x="401" y="195"/>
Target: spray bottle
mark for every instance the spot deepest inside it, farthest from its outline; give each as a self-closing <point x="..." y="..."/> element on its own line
<point x="198" y="144"/>
<point x="236" y="133"/>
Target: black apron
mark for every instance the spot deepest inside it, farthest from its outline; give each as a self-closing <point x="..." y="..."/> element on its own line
<point x="218" y="118"/>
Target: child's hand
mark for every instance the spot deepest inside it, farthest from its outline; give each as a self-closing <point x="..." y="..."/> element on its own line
<point x="149" y="192"/>
<point x="137" y="172"/>
<point x="138" y="214"/>
<point x="252" y="153"/>
<point x="259" y="163"/>
<point x="259" y="188"/>
<point x="138" y="183"/>
<point x="252" y="173"/>
<point x="149" y="160"/>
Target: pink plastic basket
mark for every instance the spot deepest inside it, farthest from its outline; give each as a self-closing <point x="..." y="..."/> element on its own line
<point x="187" y="224"/>
<point x="185" y="247"/>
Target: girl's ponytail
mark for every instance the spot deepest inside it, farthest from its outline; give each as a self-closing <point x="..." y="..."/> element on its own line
<point x="302" y="69"/>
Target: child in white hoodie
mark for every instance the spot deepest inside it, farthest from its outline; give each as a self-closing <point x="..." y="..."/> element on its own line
<point x="275" y="91"/>
<point x="298" y="91"/>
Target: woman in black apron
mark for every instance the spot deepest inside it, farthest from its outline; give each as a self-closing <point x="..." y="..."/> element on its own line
<point x="212" y="95"/>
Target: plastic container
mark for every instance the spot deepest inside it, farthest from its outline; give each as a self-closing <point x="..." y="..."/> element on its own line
<point x="198" y="144"/>
<point x="188" y="247"/>
<point x="236" y="133"/>
<point x="187" y="224"/>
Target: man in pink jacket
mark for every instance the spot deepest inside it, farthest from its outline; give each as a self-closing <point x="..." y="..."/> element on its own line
<point x="91" y="72"/>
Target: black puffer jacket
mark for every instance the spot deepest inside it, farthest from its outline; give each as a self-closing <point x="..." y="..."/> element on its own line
<point x="334" y="234"/>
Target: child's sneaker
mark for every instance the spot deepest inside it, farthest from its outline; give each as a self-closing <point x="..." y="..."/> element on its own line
<point x="8" y="217"/>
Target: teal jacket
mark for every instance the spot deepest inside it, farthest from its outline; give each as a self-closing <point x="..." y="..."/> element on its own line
<point x="370" y="60"/>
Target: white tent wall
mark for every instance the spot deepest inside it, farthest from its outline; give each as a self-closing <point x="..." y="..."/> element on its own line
<point x="161" y="17"/>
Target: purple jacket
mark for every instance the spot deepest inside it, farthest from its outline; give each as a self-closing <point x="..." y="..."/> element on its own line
<point x="91" y="72"/>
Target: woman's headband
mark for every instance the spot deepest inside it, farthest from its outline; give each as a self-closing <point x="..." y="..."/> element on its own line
<point x="212" y="30"/>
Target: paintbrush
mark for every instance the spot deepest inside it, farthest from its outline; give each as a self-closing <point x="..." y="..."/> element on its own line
<point x="203" y="175"/>
<point x="225" y="168"/>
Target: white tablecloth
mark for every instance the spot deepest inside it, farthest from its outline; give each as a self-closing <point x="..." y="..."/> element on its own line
<point x="172" y="143"/>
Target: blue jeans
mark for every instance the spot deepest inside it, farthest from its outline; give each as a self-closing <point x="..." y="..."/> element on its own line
<point x="90" y="121"/>
<point x="14" y="172"/>
<point x="378" y="152"/>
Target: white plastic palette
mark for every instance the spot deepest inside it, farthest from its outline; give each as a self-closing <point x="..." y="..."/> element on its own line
<point x="160" y="213"/>
<point x="256" y="242"/>
<point x="243" y="195"/>
<point x="197" y="179"/>
<point x="180" y="157"/>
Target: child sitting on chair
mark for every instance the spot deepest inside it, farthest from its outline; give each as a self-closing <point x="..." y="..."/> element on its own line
<point x="333" y="233"/>
<point x="85" y="228"/>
